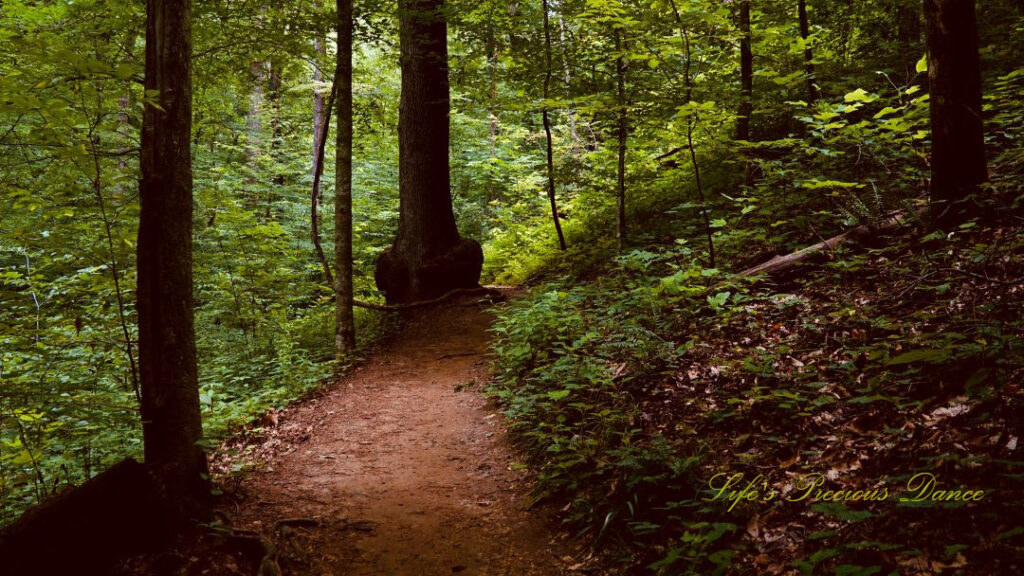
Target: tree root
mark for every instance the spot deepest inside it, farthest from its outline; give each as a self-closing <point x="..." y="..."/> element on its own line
<point x="495" y="295"/>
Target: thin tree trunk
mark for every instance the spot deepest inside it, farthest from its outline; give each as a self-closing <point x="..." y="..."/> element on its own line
<point x="321" y="123"/>
<point x="805" y="33"/>
<point x="691" y="126"/>
<point x="345" y="335"/>
<point x="315" y="195"/>
<point x="547" y="128"/>
<point x="276" y="131"/>
<point x="571" y="113"/>
<point x="492" y="57"/>
<point x="319" y="110"/>
<point x="97" y="188"/>
<point x="253" y="120"/>
<point x="746" y="74"/>
<point x="623" y="127"/>
<point x="954" y="78"/>
<point x="171" y="421"/>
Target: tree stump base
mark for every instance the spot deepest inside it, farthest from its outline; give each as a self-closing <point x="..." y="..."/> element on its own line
<point x="402" y="280"/>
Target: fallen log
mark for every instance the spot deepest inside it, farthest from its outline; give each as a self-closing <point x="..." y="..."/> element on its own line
<point x="855" y="236"/>
<point x="82" y="530"/>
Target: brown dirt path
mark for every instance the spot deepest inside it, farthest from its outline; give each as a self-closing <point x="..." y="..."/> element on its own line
<point x="403" y="474"/>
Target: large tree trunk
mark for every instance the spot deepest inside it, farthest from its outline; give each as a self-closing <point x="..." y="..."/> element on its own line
<point x="171" y="423"/>
<point x="345" y="335"/>
<point x="428" y="257"/>
<point x="746" y="74"/>
<point x="954" y="78"/>
<point x="805" y="32"/>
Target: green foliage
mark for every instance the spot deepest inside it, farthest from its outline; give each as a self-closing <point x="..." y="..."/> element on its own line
<point x="626" y="374"/>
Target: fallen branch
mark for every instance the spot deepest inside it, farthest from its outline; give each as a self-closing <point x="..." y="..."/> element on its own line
<point x="850" y="237"/>
<point x="479" y="290"/>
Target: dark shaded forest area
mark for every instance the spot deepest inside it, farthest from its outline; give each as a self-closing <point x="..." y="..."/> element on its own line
<point x="749" y="274"/>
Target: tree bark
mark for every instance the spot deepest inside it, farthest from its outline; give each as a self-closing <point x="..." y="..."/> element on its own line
<point x="321" y="121"/>
<point x="547" y="128"/>
<point x="954" y="78"/>
<point x="345" y="335"/>
<point x="171" y="422"/>
<point x="428" y="257"/>
<point x="746" y="74"/>
<point x="805" y="32"/>
<point x="318" y="167"/>
<point x="319" y="109"/>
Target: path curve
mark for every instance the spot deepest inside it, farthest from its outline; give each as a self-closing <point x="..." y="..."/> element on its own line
<point x="404" y="467"/>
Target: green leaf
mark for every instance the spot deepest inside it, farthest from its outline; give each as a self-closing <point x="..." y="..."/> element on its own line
<point x="922" y="64"/>
<point x="860" y="95"/>
<point x="841" y="511"/>
<point x="929" y="355"/>
<point x="885" y="112"/>
<point x="558" y="394"/>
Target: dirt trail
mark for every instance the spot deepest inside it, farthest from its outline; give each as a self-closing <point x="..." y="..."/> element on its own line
<point x="404" y="474"/>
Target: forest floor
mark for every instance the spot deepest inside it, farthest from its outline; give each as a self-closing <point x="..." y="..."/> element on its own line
<point x="400" y="467"/>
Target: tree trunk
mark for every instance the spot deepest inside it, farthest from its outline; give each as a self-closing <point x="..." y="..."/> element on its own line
<point x="319" y="111"/>
<point x="253" y="119"/>
<point x="746" y="74"/>
<point x="345" y="335"/>
<point x="805" y="33"/>
<point x="691" y="126"/>
<point x="547" y="128"/>
<point x="492" y="114"/>
<point x="428" y="257"/>
<point x="571" y="113"/>
<point x="171" y="423"/>
<point x="954" y="77"/>
<point x="623" y="127"/>
<point x="83" y="530"/>
<point x="276" y="131"/>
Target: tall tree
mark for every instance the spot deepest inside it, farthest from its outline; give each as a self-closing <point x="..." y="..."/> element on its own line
<point x="805" y="33"/>
<point x="428" y="258"/>
<point x="954" y="79"/>
<point x="691" y="127"/>
<point x="344" y="336"/>
<point x="746" y="74"/>
<point x="171" y="422"/>
<point x="623" y="131"/>
<point x="545" y="117"/>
